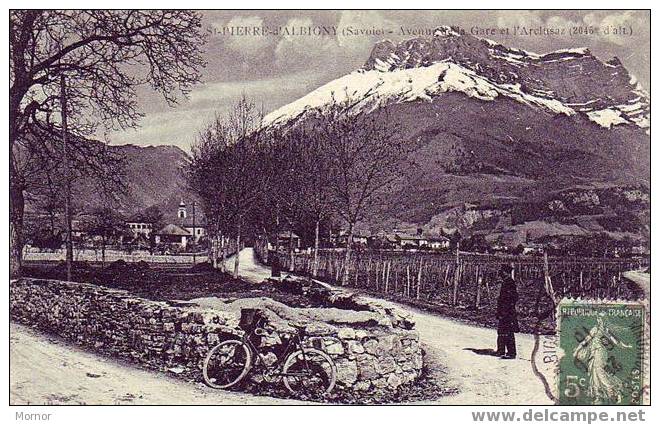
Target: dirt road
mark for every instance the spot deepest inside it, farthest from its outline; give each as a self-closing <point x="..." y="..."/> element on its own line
<point x="45" y="370"/>
<point x="643" y="280"/>
<point x="481" y="378"/>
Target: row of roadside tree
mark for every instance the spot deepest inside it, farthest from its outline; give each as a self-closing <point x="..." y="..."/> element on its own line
<point x="329" y="166"/>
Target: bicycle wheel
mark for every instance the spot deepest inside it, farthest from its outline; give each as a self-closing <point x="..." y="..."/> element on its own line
<point x="226" y="364"/>
<point x="311" y="373"/>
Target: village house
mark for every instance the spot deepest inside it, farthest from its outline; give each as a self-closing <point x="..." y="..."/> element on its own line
<point x="183" y="229"/>
<point x="78" y="231"/>
<point x="531" y="248"/>
<point x="288" y="239"/>
<point x="172" y="234"/>
<point x="383" y="240"/>
<point x="340" y="239"/>
<point x="139" y="226"/>
<point x="639" y="250"/>
<point x="411" y="241"/>
<point x="438" y="243"/>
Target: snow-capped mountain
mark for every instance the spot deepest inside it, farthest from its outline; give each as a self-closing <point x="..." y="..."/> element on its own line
<point x="504" y="130"/>
<point x="562" y="82"/>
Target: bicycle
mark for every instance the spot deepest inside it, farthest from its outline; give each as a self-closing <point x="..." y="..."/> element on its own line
<point x="303" y="370"/>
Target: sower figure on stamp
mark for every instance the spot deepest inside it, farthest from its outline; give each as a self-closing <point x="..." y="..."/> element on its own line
<point x="506" y="314"/>
<point x="593" y="355"/>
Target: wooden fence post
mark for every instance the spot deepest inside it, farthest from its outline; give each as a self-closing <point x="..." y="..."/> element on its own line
<point x="477" y="300"/>
<point x="457" y="275"/>
<point x="368" y="272"/>
<point x="387" y="277"/>
<point x="548" y="280"/>
<point x="419" y="276"/>
<point x="407" y="280"/>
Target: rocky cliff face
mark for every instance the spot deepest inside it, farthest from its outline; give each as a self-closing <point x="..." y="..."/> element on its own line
<point x="570" y="82"/>
<point x="573" y="77"/>
<point x="502" y="129"/>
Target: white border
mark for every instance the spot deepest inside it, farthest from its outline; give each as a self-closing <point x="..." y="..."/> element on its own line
<point x="279" y="415"/>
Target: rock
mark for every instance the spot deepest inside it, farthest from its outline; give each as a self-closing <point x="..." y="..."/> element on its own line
<point x="367" y="367"/>
<point x="191" y="328"/>
<point x="407" y="366"/>
<point x="333" y="346"/>
<point x="318" y="329"/>
<point x="176" y="370"/>
<point x="354" y="347"/>
<point x="371" y="346"/>
<point x="362" y="386"/>
<point x="394" y="380"/>
<point x="386" y="364"/>
<point x="346" y="333"/>
<point x="418" y="360"/>
<point x="347" y="372"/>
<point x="410" y="376"/>
<point x="388" y="342"/>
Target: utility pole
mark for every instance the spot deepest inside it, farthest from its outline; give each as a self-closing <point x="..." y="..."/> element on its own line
<point x="67" y="181"/>
<point x="194" y="237"/>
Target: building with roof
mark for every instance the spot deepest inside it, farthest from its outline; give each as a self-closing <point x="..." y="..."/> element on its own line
<point x="382" y="240"/>
<point x="191" y="220"/>
<point x="173" y="234"/>
<point x="140" y="226"/>
<point x="288" y="239"/>
<point x="340" y="239"/>
<point x="438" y="243"/>
<point x="183" y="228"/>
<point x="411" y="241"/>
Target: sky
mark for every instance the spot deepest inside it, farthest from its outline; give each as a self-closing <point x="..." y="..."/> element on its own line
<point x="276" y="57"/>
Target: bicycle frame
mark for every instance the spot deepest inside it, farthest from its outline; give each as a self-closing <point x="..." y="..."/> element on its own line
<point x="292" y="345"/>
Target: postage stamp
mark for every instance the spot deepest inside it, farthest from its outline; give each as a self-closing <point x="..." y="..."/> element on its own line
<point x="602" y="352"/>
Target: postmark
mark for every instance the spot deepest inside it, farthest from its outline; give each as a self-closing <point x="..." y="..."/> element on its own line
<point x="601" y="352"/>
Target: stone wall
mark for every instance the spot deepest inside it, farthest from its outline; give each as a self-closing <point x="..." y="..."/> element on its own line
<point x="375" y="347"/>
<point x="155" y="334"/>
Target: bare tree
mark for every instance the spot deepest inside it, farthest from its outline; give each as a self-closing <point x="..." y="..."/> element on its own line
<point x="314" y="171"/>
<point x="363" y="154"/>
<point x="104" y="55"/>
<point x="99" y="171"/>
<point x="226" y="170"/>
<point x="282" y="200"/>
<point x="106" y="225"/>
<point x="208" y="155"/>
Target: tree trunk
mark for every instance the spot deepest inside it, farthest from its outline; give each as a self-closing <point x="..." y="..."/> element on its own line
<point x="315" y="264"/>
<point x="347" y="258"/>
<point x="213" y="251"/>
<point x="102" y="254"/>
<point x="16" y="193"/>
<point x="223" y="245"/>
<point x="292" y="256"/>
<point x="457" y="275"/>
<point x="238" y="250"/>
<point x="16" y="209"/>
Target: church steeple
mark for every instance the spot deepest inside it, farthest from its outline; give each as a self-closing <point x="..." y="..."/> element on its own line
<point x="183" y="213"/>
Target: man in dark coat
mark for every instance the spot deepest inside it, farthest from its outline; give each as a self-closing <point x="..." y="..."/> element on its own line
<point x="275" y="266"/>
<point x="506" y="314"/>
